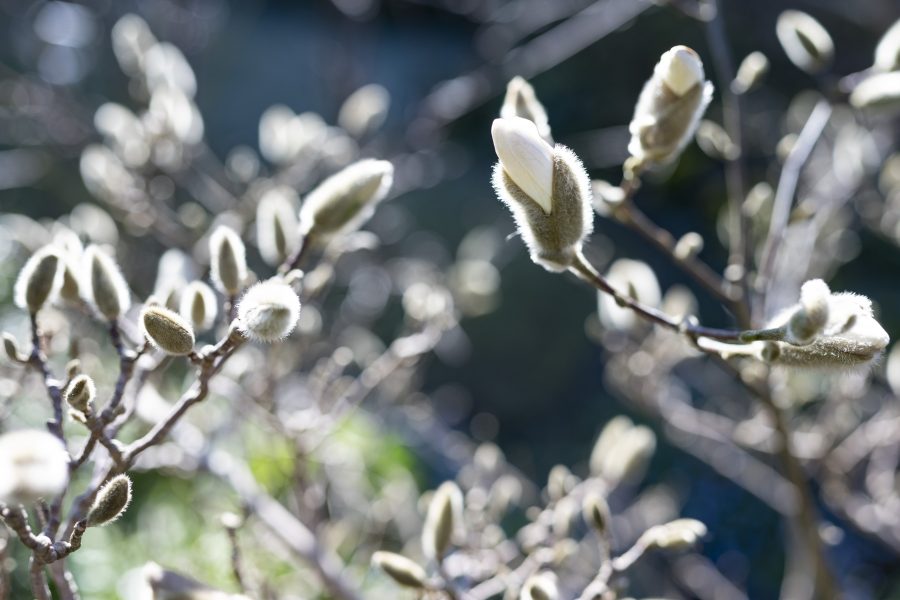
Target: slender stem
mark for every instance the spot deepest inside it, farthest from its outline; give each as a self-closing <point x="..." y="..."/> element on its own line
<point x="39" y="360"/>
<point x="39" y="587"/>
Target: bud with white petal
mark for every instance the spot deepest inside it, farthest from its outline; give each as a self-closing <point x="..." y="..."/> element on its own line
<point x="521" y="101"/>
<point x="669" y="107"/>
<point x="547" y="190"/>
<point x="268" y="311"/>
<point x="364" y="110"/>
<point x="806" y="43"/>
<point x="165" y="65"/>
<point x="811" y="317"/>
<point x="131" y="39"/>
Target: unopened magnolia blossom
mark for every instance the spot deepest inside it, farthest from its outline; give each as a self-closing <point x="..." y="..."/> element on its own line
<point x="34" y="464"/>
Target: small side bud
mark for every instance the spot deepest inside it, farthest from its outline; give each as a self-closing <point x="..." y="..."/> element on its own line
<point x="198" y="305"/>
<point x="104" y="286"/>
<point x="268" y="311"/>
<point x="444" y="517"/>
<point x="228" y="260"/>
<point x="111" y="502"/>
<point x="541" y="586"/>
<point x="401" y="569"/>
<point x="80" y="393"/>
<point x="596" y="513"/>
<point x="810" y="318"/>
<point x="750" y="73"/>
<point x="39" y="279"/>
<point x="675" y="535"/>
<point x="804" y="40"/>
<point x="166" y="330"/>
<point x="521" y="101"/>
<point x="669" y="107"/>
<point x="346" y="200"/>
<point x="688" y="246"/>
<point x="887" y="53"/>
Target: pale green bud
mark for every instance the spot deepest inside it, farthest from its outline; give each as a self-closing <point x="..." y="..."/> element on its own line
<point x="811" y="316"/>
<point x="39" y="280"/>
<point x="80" y="393"/>
<point x="276" y="224"/>
<point x="198" y="305"/>
<point x="804" y="40"/>
<point x="111" y="502"/>
<point x="227" y="260"/>
<point x="443" y="520"/>
<point x="166" y="330"/>
<point x="401" y="569"/>
<point x="104" y="287"/>
<point x="750" y="73"/>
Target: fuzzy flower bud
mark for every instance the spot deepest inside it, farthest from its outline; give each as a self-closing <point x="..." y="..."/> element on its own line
<point x="268" y="311"/>
<point x="675" y="535"/>
<point x="669" y="107"/>
<point x="541" y="586"/>
<point x="228" y="260"/>
<point x="521" y="101"/>
<point x="887" y="53"/>
<point x="276" y="224"/>
<point x="750" y="73"/>
<point x="346" y="200"/>
<point x="80" y="393"/>
<point x="546" y="189"/>
<point x="443" y="520"/>
<point x="811" y="317"/>
<point x="401" y="569"/>
<point x="804" y="40"/>
<point x="33" y="464"/>
<point x="198" y="305"/>
<point x="111" y="502"/>
<point x="103" y="285"/>
<point x="166" y="330"/>
<point x="39" y="280"/>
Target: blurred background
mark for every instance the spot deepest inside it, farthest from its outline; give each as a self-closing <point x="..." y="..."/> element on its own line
<point x="524" y="374"/>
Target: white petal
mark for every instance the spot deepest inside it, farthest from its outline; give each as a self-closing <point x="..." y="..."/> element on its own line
<point x="526" y="158"/>
<point x="681" y="69"/>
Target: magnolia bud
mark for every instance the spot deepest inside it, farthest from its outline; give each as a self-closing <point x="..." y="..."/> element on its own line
<point x="547" y="191"/>
<point x="228" y="260"/>
<point x="669" y="107"/>
<point x="521" y="101"/>
<point x="887" y="53"/>
<point x="268" y="311"/>
<point x="80" y="393"/>
<point x="804" y="40"/>
<point x="39" y="279"/>
<point x="364" y="110"/>
<point x="400" y="569"/>
<point x="346" y="200"/>
<point x="811" y="317"/>
<point x="675" y="535"/>
<point x="633" y="279"/>
<point x="609" y="438"/>
<point x="688" y="246"/>
<point x="104" y="286"/>
<point x="198" y="305"/>
<point x="541" y="586"/>
<point x="881" y="90"/>
<point x="34" y="464"/>
<point x="131" y="38"/>
<point x="596" y="513"/>
<point x="750" y="73"/>
<point x="444" y="517"/>
<point x="111" y="502"/>
<point x="166" y="330"/>
<point x="276" y="224"/>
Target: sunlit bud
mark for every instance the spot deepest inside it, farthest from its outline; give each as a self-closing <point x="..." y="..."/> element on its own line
<point x="276" y="224"/>
<point x="810" y="318"/>
<point x="609" y="437"/>
<point x="596" y="513"/>
<point x="401" y="569"/>
<point x="851" y="337"/>
<point x="39" y="280"/>
<point x="111" y="502"/>
<point x="521" y="101"/>
<point x="887" y="53"/>
<point x="166" y="330"/>
<point x="268" y="311"/>
<point x="715" y="141"/>
<point x="669" y="107"/>
<point x="541" y="586"/>
<point x="879" y="91"/>
<point x="443" y="520"/>
<point x="632" y="279"/>
<point x="103" y="285"/>
<point x="198" y="305"/>
<point x="547" y="191"/>
<point x="131" y="39"/>
<point x="228" y="260"/>
<point x="629" y="452"/>
<point x="688" y="246"/>
<point x="804" y="40"/>
<point x="364" y="110"/>
<point x="80" y="393"/>
<point x="34" y="464"/>
<point x="165" y="65"/>
<point x="346" y="200"/>
<point x="675" y="535"/>
<point x="11" y="347"/>
<point x="751" y="72"/>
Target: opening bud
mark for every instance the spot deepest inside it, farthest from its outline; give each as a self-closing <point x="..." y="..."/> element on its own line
<point x="521" y="101"/>
<point x="596" y="513"/>
<point x="810" y="318"/>
<point x="541" y="586"/>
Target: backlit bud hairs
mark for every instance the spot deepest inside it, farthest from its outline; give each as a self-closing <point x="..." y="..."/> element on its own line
<point x="669" y="107"/>
<point x="111" y="501"/>
<point x="227" y="260"/>
<point x="804" y="40"/>
<point x="546" y="189"/>
<point x="346" y="200"/>
<point x="103" y="285"/>
<point x="521" y="101"/>
<point x="268" y="311"/>
<point x="276" y="224"/>
<point x="198" y="305"/>
<point x="166" y="330"/>
<point x="80" y="393"/>
<point x="39" y="280"/>
<point x="443" y="520"/>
